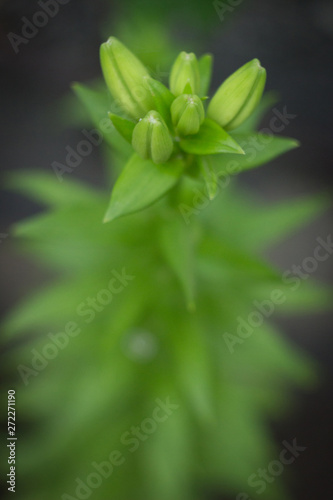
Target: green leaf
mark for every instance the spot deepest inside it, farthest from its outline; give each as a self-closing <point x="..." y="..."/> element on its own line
<point x="224" y="254"/>
<point x="237" y="208"/>
<point x="123" y="126"/>
<point x="59" y="238"/>
<point x="51" y="306"/>
<point x="177" y="249"/>
<point x="283" y="219"/>
<point x="45" y="188"/>
<point x="211" y="139"/>
<point x="209" y="176"/>
<point x="298" y="296"/>
<point x="92" y="93"/>
<point x="163" y="99"/>
<point x="205" y="70"/>
<point x="68" y="110"/>
<point x="258" y="148"/>
<point x="241" y="433"/>
<point x="97" y="104"/>
<point x="140" y="184"/>
<point x="167" y="459"/>
<point x="192" y="367"/>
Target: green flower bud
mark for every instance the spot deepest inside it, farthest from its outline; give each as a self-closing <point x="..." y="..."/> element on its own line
<point x="187" y="114"/>
<point x="238" y="96"/>
<point x="185" y="70"/>
<point x="151" y="138"/>
<point x="124" y="75"/>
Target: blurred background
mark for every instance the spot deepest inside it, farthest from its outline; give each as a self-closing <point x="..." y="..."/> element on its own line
<point x="293" y="40"/>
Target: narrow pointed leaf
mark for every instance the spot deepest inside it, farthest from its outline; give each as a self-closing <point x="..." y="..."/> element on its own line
<point x="123" y="126"/>
<point x="209" y="176"/>
<point x="95" y="101"/>
<point x="177" y="249"/>
<point x="297" y="295"/>
<point x="193" y="369"/>
<point x="97" y="104"/>
<point x="140" y="184"/>
<point x="205" y="69"/>
<point x="49" y="307"/>
<point x="211" y="139"/>
<point x="167" y="459"/>
<point x="283" y="219"/>
<point x="237" y="208"/>
<point x="219" y="251"/>
<point x="259" y="149"/>
<point x="45" y="188"/>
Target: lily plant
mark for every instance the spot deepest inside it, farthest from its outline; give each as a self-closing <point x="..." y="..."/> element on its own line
<point x="151" y="368"/>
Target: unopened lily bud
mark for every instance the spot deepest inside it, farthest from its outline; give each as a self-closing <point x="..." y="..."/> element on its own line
<point x="151" y="138"/>
<point x="185" y="70"/>
<point x="187" y="113"/>
<point x="238" y="96"/>
<point x="124" y="75"/>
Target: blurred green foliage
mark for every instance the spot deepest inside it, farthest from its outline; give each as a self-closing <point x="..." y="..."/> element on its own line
<point x="101" y="385"/>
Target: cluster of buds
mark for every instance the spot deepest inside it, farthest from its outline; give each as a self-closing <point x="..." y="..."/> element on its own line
<point x="158" y="120"/>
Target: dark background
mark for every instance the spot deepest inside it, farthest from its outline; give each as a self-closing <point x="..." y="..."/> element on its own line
<point x="294" y="41"/>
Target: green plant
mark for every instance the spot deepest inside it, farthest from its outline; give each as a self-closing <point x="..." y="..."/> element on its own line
<point x="144" y="316"/>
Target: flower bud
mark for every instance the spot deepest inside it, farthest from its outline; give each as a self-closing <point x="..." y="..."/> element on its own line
<point x="151" y="138"/>
<point x="187" y="114"/>
<point x="124" y="73"/>
<point x="185" y="70"/>
<point x="238" y="96"/>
